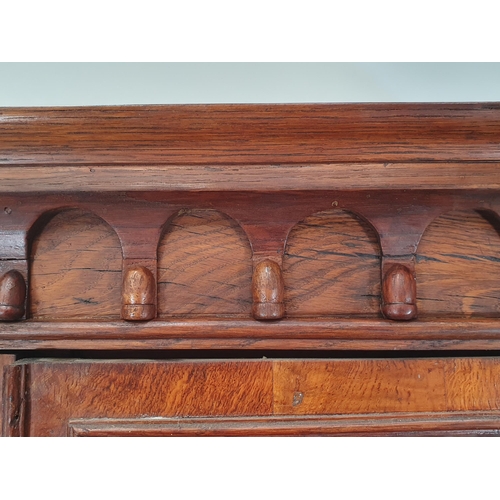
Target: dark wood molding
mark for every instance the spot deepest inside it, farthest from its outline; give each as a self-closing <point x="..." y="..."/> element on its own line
<point x="250" y="134"/>
<point x="395" y="424"/>
<point x="220" y="333"/>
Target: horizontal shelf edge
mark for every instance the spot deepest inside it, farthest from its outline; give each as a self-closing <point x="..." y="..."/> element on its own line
<point x="247" y="334"/>
<point x="304" y="177"/>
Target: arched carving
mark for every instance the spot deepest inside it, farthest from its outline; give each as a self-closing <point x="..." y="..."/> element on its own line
<point x="204" y="266"/>
<point x="458" y="266"/>
<point x="75" y="269"/>
<point x="332" y="267"/>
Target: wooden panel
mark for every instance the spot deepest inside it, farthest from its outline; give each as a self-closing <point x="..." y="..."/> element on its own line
<point x="471" y="385"/>
<point x="248" y="334"/>
<point x="386" y="385"/>
<point x="5" y="360"/>
<point x="14" y="400"/>
<point x="395" y="424"/>
<point x="249" y="133"/>
<point x="76" y="269"/>
<point x="458" y="266"/>
<point x="372" y="394"/>
<point x="248" y="177"/>
<point x="78" y="389"/>
<point x="332" y="267"/>
<point x="205" y="267"/>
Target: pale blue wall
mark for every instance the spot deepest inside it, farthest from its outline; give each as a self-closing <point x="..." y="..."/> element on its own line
<point x="75" y="84"/>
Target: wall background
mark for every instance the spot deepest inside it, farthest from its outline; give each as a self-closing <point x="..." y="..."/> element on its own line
<point x="86" y="84"/>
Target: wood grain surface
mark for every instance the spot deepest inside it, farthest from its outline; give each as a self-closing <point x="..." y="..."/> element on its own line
<point x="138" y="294"/>
<point x="250" y="133"/>
<point x="386" y="385"/>
<point x="204" y="267"/>
<point x="332" y="267"/>
<point x="222" y="333"/>
<point x="12" y="295"/>
<point x="59" y="391"/>
<point x="76" y="269"/>
<point x="145" y="176"/>
<point x="194" y="209"/>
<point x="458" y="265"/>
<point x="5" y="360"/>
<point x="468" y="423"/>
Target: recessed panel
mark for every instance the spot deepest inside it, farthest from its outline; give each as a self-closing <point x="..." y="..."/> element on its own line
<point x="204" y="267"/>
<point x="458" y="266"/>
<point x="76" y="269"/>
<point x="332" y="267"/>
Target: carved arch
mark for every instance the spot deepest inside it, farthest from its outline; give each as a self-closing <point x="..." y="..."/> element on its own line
<point x="332" y="266"/>
<point x="204" y="266"/>
<point x="458" y="265"/>
<point x="75" y="267"/>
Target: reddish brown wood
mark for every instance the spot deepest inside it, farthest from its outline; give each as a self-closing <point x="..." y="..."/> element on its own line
<point x="139" y="294"/>
<point x="331" y="267"/>
<point x="392" y="424"/>
<point x="223" y="333"/>
<point x="331" y="220"/>
<point x="204" y="267"/>
<point x="5" y="360"/>
<point x="250" y="134"/>
<point x="12" y="296"/>
<point x="399" y="293"/>
<point x="62" y="390"/>
<point x="14" y="401"/>
<point x="369" y="393"/>
<point x="75" y="268"/>
<point x="457" y="264"/>
<point x="351" y="386"/>
<point x="268" y="291"/>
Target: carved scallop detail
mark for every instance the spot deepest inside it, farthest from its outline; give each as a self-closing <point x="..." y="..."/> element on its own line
<point x="458" y="266"/>
<point x="76" y="269"/>
<point x="332" y="267"/>
<point x="204" y="267"/>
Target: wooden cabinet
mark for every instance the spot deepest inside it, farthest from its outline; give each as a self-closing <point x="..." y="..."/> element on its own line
<point x="440" y="396"/>
<point x="250" y="270"/>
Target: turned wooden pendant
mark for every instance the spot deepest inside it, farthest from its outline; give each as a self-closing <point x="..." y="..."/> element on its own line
<point x="268" y="291"/>
<point x="399" y="293"/>
<point x="12" y="296"/>
<point x="138" y="294"/>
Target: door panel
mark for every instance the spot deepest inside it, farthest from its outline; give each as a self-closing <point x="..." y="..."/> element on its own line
<point x="254" y="397"/>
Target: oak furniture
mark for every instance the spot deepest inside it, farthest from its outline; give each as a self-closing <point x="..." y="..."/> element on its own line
<point x="250" y="270"/>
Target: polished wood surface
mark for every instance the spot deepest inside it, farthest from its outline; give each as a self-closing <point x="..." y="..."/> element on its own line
<point x="170" y="232"/>
<point x="223" y="333"/>
<point x="12" y="296"/>
<point x="399" y="293"/>
<point x="268" y="291"/>
<point x="456" y="424"/>
<point x="251" y="134"/>
<point x="58" y="392"/>
<point x="332" y="268"/>
<point x="386" y="385"/>
<point x="138" y="294"/>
